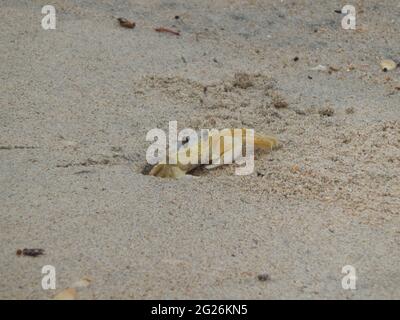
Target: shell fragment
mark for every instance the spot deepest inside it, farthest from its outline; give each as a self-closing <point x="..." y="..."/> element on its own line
<point x="388" y="65"/>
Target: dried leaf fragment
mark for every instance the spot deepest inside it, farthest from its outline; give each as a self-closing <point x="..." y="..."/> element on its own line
<point x="126" y="23"/>
<point x="333" y="69"/>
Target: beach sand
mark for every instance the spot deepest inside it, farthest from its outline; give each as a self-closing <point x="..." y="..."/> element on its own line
<point x="76" y="104"/>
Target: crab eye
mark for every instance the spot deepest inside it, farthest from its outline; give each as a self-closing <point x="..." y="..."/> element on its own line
<point x="185" y="140"/>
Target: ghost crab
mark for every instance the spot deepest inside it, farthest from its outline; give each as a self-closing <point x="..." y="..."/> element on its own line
<point x="213" y="148"/>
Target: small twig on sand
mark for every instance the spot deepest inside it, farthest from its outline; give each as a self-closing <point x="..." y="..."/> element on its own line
<point x="10" y="147"/>
<point x="30" y="252"/>
<point x="161" y="29"/>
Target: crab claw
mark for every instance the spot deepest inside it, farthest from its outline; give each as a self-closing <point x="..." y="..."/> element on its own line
<point x="265" y="142"/>
<point x="167" y="171"/>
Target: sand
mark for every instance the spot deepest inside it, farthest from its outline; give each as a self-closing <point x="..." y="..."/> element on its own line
<point x="76" y="104"/>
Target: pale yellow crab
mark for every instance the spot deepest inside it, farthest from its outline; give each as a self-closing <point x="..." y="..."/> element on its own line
<point x="219" y="145"/>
